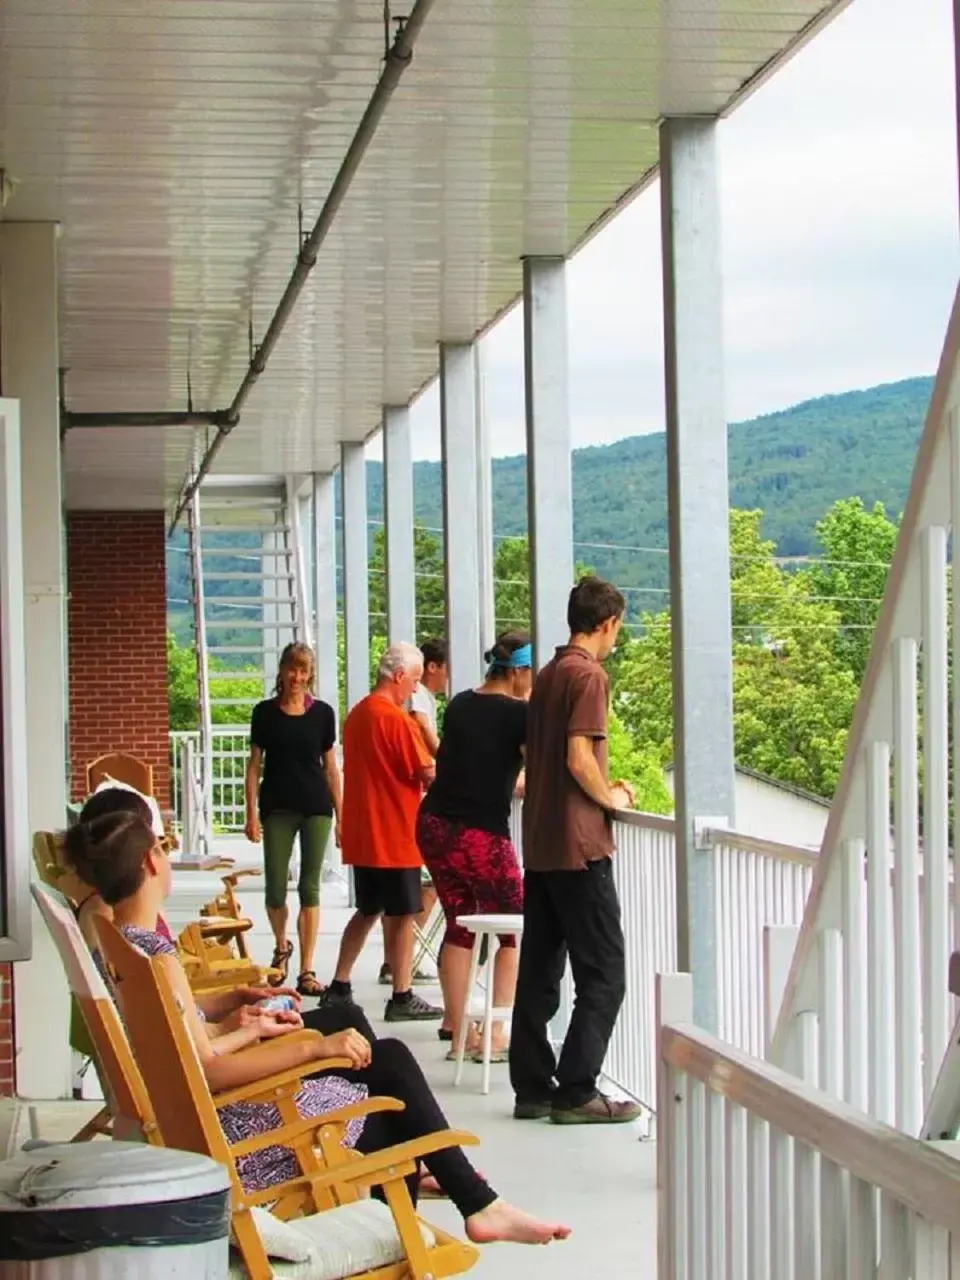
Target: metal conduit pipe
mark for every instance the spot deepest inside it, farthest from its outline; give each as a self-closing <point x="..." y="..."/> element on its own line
<point x="396" y="62"/>
<point x="70" y="421"/>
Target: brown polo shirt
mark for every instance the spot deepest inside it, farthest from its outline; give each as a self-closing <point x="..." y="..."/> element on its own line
<point x="563" y="829"/>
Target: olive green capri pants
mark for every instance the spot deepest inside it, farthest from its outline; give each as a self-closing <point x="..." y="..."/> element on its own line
<point x="279" y="831"/>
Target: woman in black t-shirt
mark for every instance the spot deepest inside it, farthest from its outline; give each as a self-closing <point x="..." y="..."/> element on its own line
<point x="293" y="736"/>
<point x="463" y="828"/>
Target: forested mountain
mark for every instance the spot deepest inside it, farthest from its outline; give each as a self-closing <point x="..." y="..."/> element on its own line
<point x="793" y="465"/>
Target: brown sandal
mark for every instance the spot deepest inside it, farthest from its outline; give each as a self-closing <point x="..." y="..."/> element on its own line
<point x="307" y="984"/>
<point x="281" y="962"/>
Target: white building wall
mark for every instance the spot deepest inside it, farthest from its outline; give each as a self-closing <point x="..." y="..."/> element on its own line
<point x="773" y="813"/>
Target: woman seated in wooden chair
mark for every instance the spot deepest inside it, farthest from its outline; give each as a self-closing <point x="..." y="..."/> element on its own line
<point x="119" y="855"/>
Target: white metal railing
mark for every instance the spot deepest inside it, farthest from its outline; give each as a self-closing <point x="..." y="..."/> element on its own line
<point x="762" y="1175"/>
<point x="759" y="884"/>
<point x="868" y="982"/>
<point x="229" y="748"/>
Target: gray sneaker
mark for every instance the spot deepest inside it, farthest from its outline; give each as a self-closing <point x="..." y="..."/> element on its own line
<point x="413" y="1009"/>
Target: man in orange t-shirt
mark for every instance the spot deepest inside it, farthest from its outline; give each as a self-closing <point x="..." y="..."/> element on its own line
<point x="385" y="768"/>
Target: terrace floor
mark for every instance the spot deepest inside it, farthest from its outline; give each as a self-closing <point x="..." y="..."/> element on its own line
<point x="602" y="1182"/>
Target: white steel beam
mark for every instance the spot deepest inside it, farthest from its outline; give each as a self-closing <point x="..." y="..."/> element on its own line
<point x="356" y="607"/>
<point x="399" y="559"/>
<point x="458" y="439"/>
<point x="699" y="535"/>
<point x="325" y="587"/>
<point x="549" y="483"/>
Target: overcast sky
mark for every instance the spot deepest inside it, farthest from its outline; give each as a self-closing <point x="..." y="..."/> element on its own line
<point x="840" y="243"/>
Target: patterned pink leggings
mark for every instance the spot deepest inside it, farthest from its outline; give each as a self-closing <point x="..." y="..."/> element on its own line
<point x="474" y="873"/>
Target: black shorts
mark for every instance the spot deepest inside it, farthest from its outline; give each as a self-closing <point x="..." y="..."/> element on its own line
<point x="389" y="891"/>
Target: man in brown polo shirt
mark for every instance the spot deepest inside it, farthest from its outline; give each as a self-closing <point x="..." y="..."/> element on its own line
<point x="570" y="900"/>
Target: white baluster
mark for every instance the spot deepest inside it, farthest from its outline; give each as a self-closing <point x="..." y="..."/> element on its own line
<point x="696" y="1181"/>
<point x="906" y="885"/>
<point x="806" y="1165"/>
<point x="737" y="1191"/>
<point x="935" y="806"/>
<point x="832" y="1191"/>
<point x="716" y="1168"/>
<point x="862" y="1249"/>
<point x="758" y="1199"/>
<point x="854" y="966"/>
<point x="782" y="1205"/>
<point x="879" y="929"/>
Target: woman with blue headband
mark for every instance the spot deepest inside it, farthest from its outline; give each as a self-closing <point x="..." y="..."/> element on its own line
<point x="463" y="827"/>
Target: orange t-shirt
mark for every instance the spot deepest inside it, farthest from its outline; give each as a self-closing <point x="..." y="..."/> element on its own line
<point x="383" y="754"/>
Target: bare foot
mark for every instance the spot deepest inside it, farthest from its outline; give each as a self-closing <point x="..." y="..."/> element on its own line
<point x="501" y="1221"/>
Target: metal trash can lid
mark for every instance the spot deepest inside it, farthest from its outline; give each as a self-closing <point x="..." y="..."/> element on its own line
<point x="103" y="1174"/>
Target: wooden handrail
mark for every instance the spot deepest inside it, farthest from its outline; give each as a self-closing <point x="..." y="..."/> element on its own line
<point x="913" y="1173"/>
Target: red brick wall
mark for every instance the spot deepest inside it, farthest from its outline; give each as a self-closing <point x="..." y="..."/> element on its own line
<point x="117" y="627"/>
<point x="6" y="1031"/>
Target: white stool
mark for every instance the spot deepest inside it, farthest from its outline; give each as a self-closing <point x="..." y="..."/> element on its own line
<point x="483" y="927"/>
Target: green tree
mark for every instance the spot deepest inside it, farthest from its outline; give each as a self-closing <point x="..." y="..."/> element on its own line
<point x="430" y="600"/>
<point x="511" y="584"/>
<point x="793" y="695"/>
<point x="638" y="766"/>
<point x="182" y="685"/>
<point x="858" y="546"/>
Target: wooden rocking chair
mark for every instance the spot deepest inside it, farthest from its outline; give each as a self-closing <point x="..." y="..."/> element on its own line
<point x="128" y="1111"/>
<point x="186" y="1113"/>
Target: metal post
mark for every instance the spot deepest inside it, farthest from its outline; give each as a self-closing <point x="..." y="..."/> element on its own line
<point x="203" y="829"/>
<point x="458" y="439"/>
<point x="356" y="608"/>
<point x="485" y="547"/>
<point x="399" y="558"/>
<point x="699" y="535"/>
<point x="325" y="587"/>
<point x="300" y="597"/>
<point x="549" y="484"/>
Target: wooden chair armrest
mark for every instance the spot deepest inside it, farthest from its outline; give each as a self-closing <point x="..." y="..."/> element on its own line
<point x="234" y="876"/>
<point x="310" y="1124"/>
<point x="392" y="1162"/>
<point x="211" y="926"/>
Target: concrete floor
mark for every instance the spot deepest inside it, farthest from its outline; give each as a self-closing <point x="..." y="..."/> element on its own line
<point x="602" y="1182"/>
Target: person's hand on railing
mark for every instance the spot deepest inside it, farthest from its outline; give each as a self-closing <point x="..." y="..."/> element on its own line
<point x="624" y="796"/>
<point x="252" y="830"/>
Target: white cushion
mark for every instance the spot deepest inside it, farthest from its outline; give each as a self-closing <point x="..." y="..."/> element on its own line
<point x="340" y="1242"/>
<point x="281" y="1239"/>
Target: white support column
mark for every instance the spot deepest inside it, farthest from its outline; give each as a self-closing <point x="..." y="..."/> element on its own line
<point x="549" y="484"/>
<point x="699" y="534"/>
<point x="28" y="314"/>
<point x="325" y="587"/>
<point x="356" y="606"/>
<point x="458" y="437"/>
<point x="399" y="559"/>
<point x="485" y="543"/>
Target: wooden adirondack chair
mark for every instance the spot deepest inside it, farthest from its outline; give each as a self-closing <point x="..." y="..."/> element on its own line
<point x="186" y="1113"/>
<point x="209" y="960"/>
<point x="128" y="1111"/>
<point x="122" y="767"/>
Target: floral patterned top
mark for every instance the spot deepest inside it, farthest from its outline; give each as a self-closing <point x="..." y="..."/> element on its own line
<point x="240" y="1120"/>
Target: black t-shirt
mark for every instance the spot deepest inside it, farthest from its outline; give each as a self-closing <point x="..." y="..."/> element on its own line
<point x="478" y="761"/>
<point x="293" y="749"/>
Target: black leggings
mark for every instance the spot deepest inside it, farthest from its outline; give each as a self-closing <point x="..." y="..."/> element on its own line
<point x="395" y="1073"/>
